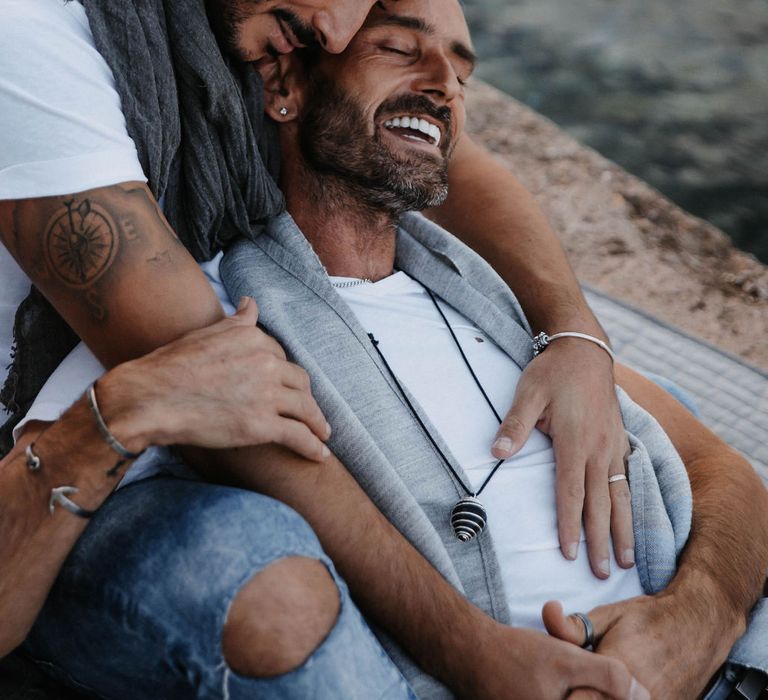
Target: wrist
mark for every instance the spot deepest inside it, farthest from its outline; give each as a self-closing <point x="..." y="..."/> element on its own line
<point x="582" y="324"/>
<point x="701" y="604"/>
<point x="583" y="353"/>
<point x="543" y="340"/>
<point x="126" y="405"/>
<point x="573" y="316"/>
<point x="470" y="659"/>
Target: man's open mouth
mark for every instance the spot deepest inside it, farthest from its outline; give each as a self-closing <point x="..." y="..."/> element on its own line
<point x="416" y="129"/>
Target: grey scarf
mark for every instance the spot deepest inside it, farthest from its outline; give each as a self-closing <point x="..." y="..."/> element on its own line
<point x="202" y="141"/>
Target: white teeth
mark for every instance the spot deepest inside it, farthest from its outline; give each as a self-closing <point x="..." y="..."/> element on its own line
<point x="422" y="125"/>
<point x="434" y="132"/>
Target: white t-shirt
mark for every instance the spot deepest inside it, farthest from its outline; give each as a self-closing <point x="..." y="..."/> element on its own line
<point x="520" y="498"/>
<point x="62" y="128"/>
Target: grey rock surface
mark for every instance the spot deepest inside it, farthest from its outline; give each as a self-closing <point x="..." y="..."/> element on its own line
<point x="675" y="92"/>
<point x="625" y="238"/>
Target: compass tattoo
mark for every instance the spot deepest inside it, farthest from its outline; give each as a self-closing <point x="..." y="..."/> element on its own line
<point x="80" y="243"/>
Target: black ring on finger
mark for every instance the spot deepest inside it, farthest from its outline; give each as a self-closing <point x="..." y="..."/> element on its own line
<point x="589" y="631"/>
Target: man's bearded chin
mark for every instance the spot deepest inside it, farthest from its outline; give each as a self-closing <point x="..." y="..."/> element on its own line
<point x="335" y="142"/>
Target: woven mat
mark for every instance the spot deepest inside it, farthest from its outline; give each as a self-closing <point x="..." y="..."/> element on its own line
<point x="731" y="394"/>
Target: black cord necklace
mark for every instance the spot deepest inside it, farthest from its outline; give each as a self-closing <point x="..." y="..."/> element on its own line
<point x="468" y="517"/>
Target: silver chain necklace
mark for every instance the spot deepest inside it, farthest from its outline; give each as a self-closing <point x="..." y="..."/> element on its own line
<point x="352" y="283"/>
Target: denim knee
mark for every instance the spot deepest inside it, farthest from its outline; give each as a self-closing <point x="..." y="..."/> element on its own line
<point x="349" y="664"/>
<point x="139" y="607"/>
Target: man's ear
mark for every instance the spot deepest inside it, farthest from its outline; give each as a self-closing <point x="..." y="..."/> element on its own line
<point x="284" y="83"/>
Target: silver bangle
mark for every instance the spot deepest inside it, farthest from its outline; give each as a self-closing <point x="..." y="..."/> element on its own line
<point x="33" y="461"/>
<point x="110" y="439"/>
<point x="542" y="340"/>
<point x="58" y="495"/>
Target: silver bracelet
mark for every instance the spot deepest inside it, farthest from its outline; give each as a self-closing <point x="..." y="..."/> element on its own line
<point x="33" y="461"/>
<point x="110" y="439"/>
<point x="542" y="340"/>
<point x="59" y="495"/>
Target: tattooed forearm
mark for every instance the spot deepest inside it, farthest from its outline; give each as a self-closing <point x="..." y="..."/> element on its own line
<point x="81" y="248"/>
<point x="160" y="259"/>
<point x="105" y="259"/>
<point x="8" y="233"/>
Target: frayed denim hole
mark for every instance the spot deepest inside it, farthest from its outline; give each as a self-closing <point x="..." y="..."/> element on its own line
<point x="344" y="600"/>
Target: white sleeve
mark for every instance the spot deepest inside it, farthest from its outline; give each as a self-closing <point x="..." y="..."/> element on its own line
<point x="65" y="386"/>
<point x="62" y="128"/>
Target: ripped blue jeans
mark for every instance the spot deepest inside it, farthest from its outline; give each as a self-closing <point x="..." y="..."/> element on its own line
<point x="139" y="608"/>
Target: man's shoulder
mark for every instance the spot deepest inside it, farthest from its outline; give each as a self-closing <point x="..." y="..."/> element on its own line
<point x="22" y="17"/>
<point x="62" y="127"/>
<point x="42" y="41"/>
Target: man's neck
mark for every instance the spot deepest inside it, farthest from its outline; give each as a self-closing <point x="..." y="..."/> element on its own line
<point x="351" y="238"/>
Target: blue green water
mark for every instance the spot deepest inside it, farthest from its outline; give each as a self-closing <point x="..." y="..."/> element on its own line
<point x="676" y="92"/>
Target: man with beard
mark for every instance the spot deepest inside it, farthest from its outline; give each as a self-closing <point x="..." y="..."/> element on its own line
<point x="417" y="363"/>
<point x="410" y="343"/>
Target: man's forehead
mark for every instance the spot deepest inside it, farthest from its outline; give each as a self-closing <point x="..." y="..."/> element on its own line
<point x="431" y="17"/>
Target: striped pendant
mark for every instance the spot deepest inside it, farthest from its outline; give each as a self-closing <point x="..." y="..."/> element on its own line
<point x="468" y="518"/>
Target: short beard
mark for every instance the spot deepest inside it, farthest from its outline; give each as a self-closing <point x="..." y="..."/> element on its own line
<point x="335" y="143"/>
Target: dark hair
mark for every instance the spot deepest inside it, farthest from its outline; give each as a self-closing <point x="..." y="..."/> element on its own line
<point x="309" y="57"/>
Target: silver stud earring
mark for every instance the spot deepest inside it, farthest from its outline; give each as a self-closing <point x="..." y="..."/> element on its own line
<point x="284" y="111"/>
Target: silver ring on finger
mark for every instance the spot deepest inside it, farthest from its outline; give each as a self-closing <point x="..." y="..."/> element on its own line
<point x="617" y="477"/>
<point x="589" y="631"/>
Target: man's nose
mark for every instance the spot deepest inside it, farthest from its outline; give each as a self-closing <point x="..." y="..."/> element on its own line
<point x="438" y="77"/>
<point x="336" y="27"/>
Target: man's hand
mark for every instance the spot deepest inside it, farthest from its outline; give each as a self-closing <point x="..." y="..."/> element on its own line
<point x="227" y="385"/>
<point x="667" y="643"/>
<point x="568" y="392"/>
<point x="521" y="663"/>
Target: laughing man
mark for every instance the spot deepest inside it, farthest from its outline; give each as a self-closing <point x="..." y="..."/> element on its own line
<point x="421" y="347"/>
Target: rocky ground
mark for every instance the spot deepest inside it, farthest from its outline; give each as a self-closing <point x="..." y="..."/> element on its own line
<point x="625" y="238"/>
